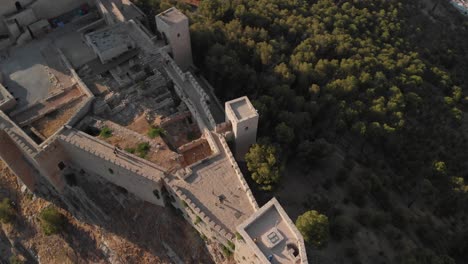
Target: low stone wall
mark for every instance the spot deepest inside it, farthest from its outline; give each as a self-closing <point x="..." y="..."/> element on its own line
<point x="94" y="25"/>
<point x="7" y="101"/>
<point x="52" y="96"/>
<point x="77" y="78"/>
<point x="223" y="127"/>
<point x="17" y="134"/>
<point x="174" y="118"/>
<point x="84" y="109"/>
<point x="50" y="110"/>
<point x="191" y="145"/>
<point x="142" y="36"/>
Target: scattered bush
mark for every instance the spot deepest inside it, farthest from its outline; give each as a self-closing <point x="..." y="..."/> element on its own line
<point x="106" y="132"/>
<point x="130" y="150"/>
<point x="142" y="149"/>
<point x="203" y="237"/>
<point x="226" y="251"/>
<point x="7" y="212"/>
<point x="197" y="220"/>
<point x="231" y="245"/>
<point x="14" y="259"/>
<point x="156" y="132"/>
<point x="51" y="220"/>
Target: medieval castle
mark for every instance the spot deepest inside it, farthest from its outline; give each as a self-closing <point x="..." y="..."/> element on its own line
<point x="88" y="91"/>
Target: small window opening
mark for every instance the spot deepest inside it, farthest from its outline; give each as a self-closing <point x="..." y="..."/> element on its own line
<point x="178" y="35"/>
<point x="18" y="6"/>
<point x="122" y="190"/>
<point x="61" y="165"/>
<point x="156" y="193"/>
<point x="70" y="179"/>
<point x="111" y="171"/>
<point x="246" y="128"/>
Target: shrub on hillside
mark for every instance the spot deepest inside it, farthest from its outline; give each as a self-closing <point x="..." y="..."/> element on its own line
<point x="14" y="259"/>
<point x="142" y="149"/>
<point x="7" y="212"/>
<point x="51" y="220"/>
<point x="106" y="132"/>
<point x="156" y="132"/>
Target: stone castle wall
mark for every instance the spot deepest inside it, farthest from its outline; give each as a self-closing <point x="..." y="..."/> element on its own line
<point x="116" y="168"/>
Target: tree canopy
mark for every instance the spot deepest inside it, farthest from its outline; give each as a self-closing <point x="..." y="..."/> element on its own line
<point x="314" y="228"/>
<point x="262" y="162"/>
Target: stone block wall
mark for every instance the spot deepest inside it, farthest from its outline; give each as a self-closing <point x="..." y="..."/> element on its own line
<point x="114" y="168"/>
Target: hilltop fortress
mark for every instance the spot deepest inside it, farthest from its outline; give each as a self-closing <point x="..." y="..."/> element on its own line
<point x="87" y="91"/>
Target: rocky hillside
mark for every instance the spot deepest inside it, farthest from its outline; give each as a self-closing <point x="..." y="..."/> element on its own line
<point x="132" y="231"/>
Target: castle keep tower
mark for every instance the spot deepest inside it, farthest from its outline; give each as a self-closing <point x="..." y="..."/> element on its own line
<point x="174" y="26"/>
<point x="244" y="119"/>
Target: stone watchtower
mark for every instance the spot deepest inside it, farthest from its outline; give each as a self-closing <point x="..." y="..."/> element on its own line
<point x="174" y="27"/>
<point x="244" y="119"/>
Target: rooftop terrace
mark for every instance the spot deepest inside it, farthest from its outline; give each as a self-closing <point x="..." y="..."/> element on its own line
<point x="271" y="232"/>
<point x="172" y="16"/>
<point x="217" y="190"/>
<point x="111" y="37"/>
<point x="242" y="108"/>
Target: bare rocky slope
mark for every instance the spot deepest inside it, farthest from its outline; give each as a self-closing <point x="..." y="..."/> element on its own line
<point x="117" y="228"/>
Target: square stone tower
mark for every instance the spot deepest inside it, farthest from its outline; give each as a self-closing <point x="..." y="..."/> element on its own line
<point x="269" y="236"/>
<point x="174" y="27"/>
<point x="244" y="119"/>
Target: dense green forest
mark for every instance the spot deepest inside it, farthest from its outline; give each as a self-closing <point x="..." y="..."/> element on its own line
<point x="385" y="81"/>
